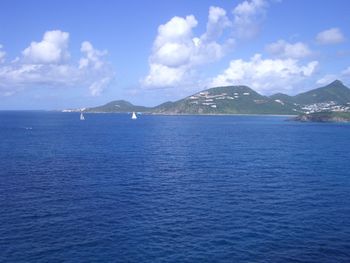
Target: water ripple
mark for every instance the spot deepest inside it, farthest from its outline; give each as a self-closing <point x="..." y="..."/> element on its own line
<point x="172" y="189"/>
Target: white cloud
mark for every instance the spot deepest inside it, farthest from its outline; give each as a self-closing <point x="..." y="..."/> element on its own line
<point x="163" y="76"/>
<point x="173" y="45"/>
<point x="284" y="49"/>
<point x="265" y="75"/>
<point x="176" y="46"/>
<point x="2" y="54"/>
<point x="177" y="52"/>
<point x="217" y="22"/>
<point x="330" y="36"/>
<point x="38" y="68"/>
<point x="20" y="76"/>
<point x="173" y="49"/>
<point x="52" y="49"/>
<point x="176" y="29"/>
<point x="248" y="16"/>
<point x="95" y="68"/>
<point x="92" y="58"/>
<point x="97" y="87"/>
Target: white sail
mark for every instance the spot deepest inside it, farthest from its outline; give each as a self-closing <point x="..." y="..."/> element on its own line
<point x="134" y="117"/>
<point x="82" y="117"/>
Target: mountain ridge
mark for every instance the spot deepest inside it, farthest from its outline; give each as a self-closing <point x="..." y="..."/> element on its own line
<point x="335" y="90"/>
<point x="242" y="100"/>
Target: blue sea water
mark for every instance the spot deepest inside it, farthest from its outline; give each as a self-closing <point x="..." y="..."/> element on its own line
<point x="172" y="189"/>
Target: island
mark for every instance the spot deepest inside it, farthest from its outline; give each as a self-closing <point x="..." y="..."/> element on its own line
<point x="328" y="103"/>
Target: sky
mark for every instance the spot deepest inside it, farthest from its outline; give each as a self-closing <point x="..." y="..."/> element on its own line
<point x="73" y="54"/>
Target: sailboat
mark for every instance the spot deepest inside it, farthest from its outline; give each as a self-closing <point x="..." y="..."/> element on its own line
<point x="82" y="116"/>
<point x="133" y="117"/>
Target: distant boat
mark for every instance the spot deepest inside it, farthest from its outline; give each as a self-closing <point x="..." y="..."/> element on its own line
<point x="82" y="116"/>
<point x="133" y="117"/>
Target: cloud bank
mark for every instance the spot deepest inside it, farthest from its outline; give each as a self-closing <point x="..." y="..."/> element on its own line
<point x="47" y="64"/>
<point x="248" y="16"/>
<point x="265" y="75"/>
<point x="177" y="53"/>
<point x="284" y="49"/>
<point x="53" y="49"/>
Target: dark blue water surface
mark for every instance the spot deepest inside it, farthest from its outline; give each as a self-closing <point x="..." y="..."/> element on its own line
<point x="172" y="189"/>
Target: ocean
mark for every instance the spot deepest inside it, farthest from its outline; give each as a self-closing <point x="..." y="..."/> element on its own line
<point x="172" y="189"/>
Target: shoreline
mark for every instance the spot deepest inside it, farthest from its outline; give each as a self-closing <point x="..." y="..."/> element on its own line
<point x="161" y="114"/>
<point x="192" y="114"/>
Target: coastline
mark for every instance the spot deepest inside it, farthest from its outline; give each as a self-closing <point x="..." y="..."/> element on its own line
<point x="190" y="114"/>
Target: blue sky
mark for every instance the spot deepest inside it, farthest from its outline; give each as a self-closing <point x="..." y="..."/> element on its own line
<point x="62" y="54"/>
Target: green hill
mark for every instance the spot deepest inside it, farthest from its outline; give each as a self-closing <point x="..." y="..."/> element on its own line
<point x="335" y="91"/>
<point x="285" y="99"/>
<point x="118" y="106"/>
<point x="225" y="100"/>
<point x="244" y="100"/>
